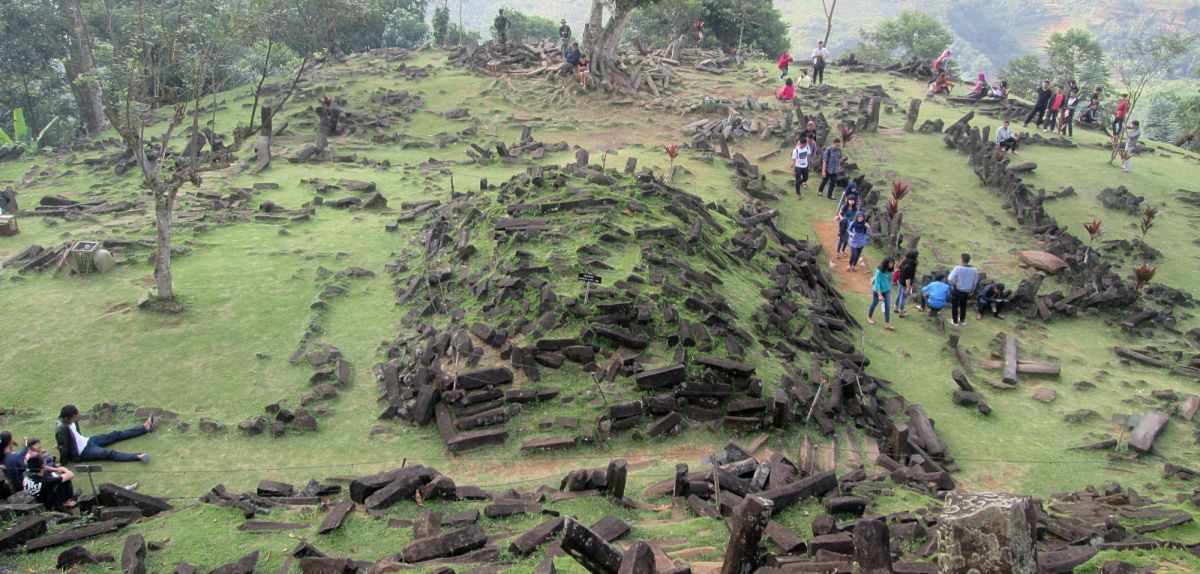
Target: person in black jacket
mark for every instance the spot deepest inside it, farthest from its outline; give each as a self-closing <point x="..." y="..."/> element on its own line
<point x="1044" y="94"/>
<point x="564" y="37"/>
<point x="991" y="299"/>
<point x="73" y="446"/>
<point x="907" y="277"/>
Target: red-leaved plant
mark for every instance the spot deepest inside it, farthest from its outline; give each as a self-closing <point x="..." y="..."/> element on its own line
<point x="672" y="152"/>
<point x="1093" y="228"/>
<point x="1142" y="275"/>
<point x="1147" y="224"/>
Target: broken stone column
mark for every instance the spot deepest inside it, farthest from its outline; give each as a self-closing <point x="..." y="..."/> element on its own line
<point x="987" y="533"/>
<point x="872" y="548"/>
<point x="617" y="472"/>
<point x="750" y="519"/>
<point x="910" y="117"/>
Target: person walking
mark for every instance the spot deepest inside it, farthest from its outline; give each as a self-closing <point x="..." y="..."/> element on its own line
<point x="844" y="216"/>
<point x="881" y="289"/>
<point x="1044" y="94"/>
<point x="1056" y="105"/>
<point x="564" y="36"/>
<point x="1005" y="138"/>
<point x="991" y="300"/>
<point x="800" y="155"/>
<point x="785" y="61"/>
<point x="963" y="280"/>
<point x="1131" y="144"/>
<point x="501" y="24"/>
<point x="819" y="56"/>
<point x="905" y="278"/>
<point x="831" y="167"/>
<point x="859" y="232"/>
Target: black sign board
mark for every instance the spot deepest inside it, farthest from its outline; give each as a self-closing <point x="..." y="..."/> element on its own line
<point x="590" y="278"/>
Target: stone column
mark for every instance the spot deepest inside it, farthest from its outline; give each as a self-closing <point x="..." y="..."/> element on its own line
<point x="750" y="519"/>
<point x="987" y="533"/>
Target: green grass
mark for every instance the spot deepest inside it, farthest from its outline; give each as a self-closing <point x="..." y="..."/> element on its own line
<point x="247" y="289"/>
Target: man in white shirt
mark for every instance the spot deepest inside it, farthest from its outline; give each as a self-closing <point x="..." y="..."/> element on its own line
<point x="800" y="157"/>
<point x="818" y="59"/>
<point x="74" y="446"/>
<point x="1005" y="138"/>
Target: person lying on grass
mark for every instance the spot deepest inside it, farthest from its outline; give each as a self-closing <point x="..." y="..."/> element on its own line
<point x="73" y="446"/>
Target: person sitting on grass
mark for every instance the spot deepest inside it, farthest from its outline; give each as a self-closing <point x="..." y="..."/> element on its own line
<point x="937" y="292"/>
<point x="14" y="463"/>
<point x="981" y="87"/>
<point x="50" y="486"/>
<point x="991" y="299"/>
<point x="73" y="446"/>
<point x="788" y="92"/>
<point x="1000" y="92"/>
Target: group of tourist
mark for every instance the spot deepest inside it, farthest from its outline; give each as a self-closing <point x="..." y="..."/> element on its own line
<point x="957" y="288"/>
<point x="32" y="469"/>
<point x="820" y="55"/>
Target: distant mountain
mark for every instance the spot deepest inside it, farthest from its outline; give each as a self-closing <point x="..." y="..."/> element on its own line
<point x="990" y="32"/>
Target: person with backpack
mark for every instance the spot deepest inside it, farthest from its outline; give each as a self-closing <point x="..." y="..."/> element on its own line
<point x="963" y="280"/>
<point x="819" y="56"/>
<point x="784" y="61"/>
<point x="906" y="275"/>
<point x="859" y="232"/>
<point x="881" y="290"/>
<point x="800" y="156"/>
<point x="844" y="216"/>
<point x="831" y="167"/>
<point x="1044" y="94"/>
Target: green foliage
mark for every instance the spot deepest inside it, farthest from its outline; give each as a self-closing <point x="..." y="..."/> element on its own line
<point x="764" y="30"/>
<point x="658" y="25"/>
<point x="1074" y="52"/>
<point x="524" y="27"/>
<point x="405" y="29"/>
<point x="1024" y="75"/>
<point x="20" y="129"/>
<point x="1161" y="121"/>
<point x="461" y="36"/>
<point x="907" y="36"/>
<point x="441" y="25"/>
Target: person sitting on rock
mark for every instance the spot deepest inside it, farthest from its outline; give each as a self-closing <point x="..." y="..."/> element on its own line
<point x="49" y="486"/>
<point x="941" y="85"/>
<point x="991" y="299"/>
<point x="1006" y="139"/>
<point x="73" y="446"/>
<point x="981" y="87"/>
<point x="585" y="68"/>
<point x="573" y="56"/>
<point x="14" y="463"/>
<point x="936" y="293"/>
<point x="999" y="93"/>
<point x="1091" y="115"/>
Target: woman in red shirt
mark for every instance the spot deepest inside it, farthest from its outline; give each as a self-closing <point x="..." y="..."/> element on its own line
<point x="788" y="91"/>
<point x="784" y="61"/>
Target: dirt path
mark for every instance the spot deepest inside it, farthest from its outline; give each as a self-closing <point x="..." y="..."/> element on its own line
<point x="860" y="280"/>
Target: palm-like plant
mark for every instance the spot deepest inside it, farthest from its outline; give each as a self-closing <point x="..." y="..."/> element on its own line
<point x="1093" y="228"/>
<point x="1147" y="223"/>
<point x="672" y="152"/>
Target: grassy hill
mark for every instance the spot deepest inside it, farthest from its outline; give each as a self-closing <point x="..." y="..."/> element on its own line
<point x="249" y="288"/>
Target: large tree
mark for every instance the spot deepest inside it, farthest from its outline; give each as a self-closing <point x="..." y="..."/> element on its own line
<point x="600" y="38"/>
<point x="1139" y="62"/>
<point x="1072" y="53"/>
<point x="908" y="35"/>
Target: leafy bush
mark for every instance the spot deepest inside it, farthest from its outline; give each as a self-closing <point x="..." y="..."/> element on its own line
<point x="405" y="29"/>
<point x="907" y="36"/>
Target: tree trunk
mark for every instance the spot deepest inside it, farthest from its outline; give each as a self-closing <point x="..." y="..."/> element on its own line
<point x="164" y="201"/>
<point x="600" y="43"/>
<point x="829" y="20"/>
<point x="85" y="91"/>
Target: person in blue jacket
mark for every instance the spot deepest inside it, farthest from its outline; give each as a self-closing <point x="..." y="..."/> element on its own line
<point x="937" y="292"/>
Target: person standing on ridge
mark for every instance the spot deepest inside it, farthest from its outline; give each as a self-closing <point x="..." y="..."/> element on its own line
<point x="1039" y="106"/>
<point x="819" y="56"/>
<point x="800" y="155"/>
<point x="501" y="24"/>
<point x="564" y="36"/>
<point x="831" y="167"/>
